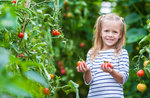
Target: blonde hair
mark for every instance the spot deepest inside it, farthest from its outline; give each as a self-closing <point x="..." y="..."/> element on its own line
<point x="98" y="43"/>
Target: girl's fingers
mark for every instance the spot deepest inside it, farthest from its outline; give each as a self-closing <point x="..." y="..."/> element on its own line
<point x="78" y="68"/>
<point x="109" y="69"/>
<point x="83" y="68"/>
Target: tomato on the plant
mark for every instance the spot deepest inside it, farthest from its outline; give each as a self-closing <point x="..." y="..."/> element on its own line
<point x="55" y="32"/>
<point x="140" y="73"/>
<point x="22" y="55"/>
<point x="108" y="64"/>
<point x="81" y="62"/>
<point x="60" y="63"/>
<point x="65" y="2"/>
<point x="67" y="8"/>
<point x="141" y="87"/>
<point x="21" y="35"/>
<point x="82" y="44"/>
<point x="69" y="14"/>
<point x="46" y="91"/>
<point x="14" y="1"/>
<point x="52" y="76"/>
<point x="62" y="71"/>
<point x="64" y="14"/>
<point x="145" y="63"/>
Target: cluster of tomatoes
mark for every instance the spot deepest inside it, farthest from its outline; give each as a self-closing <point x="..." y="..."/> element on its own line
<point x="46" y="91"/>
<point x="141" y="86"/>
<point x="69" y="14"/>
<point x="55" y="32"/>
<point x="62" y="69"/>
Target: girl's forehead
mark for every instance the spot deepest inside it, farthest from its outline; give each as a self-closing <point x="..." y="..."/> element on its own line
<point x="111" y="24"/>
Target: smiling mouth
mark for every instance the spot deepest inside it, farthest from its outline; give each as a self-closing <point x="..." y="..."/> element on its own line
<point x="109" y="39"/>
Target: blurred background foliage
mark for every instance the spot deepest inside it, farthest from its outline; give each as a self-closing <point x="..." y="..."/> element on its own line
<point x="45" y="53"/>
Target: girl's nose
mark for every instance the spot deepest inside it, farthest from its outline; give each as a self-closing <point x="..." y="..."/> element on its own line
<point x="110" y="34"/>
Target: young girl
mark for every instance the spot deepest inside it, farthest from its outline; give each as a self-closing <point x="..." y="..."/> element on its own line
<point x="108" y="42"/>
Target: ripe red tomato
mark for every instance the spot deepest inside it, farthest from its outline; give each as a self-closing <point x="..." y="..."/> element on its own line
<point x="81" y="62"/>
<point x="14" y="1"/>
<point x="140" y="73"/>
<point x="21" y="35"/>
<point x="65" y="2"/>
<point x="55" y="32"/>
<point x="64" y="14"/>
<point x="67" y="8"/>
<point x="82" y="44"/>
<point x="62" y="71"/>
<point x="21" y="55"/>
<point x="60" y="63"/>
<point x="108" y="64"/>
<point x="46" y="91"/>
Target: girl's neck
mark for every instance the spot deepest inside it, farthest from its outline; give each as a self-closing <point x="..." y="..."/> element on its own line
<point x="107" y="48"/>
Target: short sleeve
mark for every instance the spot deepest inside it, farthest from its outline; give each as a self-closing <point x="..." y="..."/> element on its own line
<point x="88" y="64"/>
<point x="124" y="65"/>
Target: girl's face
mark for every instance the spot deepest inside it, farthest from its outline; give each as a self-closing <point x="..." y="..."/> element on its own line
<point x="110" y="34"/>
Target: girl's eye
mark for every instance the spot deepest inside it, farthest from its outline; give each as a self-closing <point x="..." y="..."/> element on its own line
<point x="115" y="32"/>
<point x="106" y="30"/>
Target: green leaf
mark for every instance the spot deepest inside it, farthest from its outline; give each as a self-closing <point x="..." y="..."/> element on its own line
<point x="132" y="18"/>
<point x="135" y="34"/>
<point x="71" y="87"/>
<point x="147" y="69"/>
<point x="4" y="57"/>
<point x="35" y="76"/>
<point x="15" y="47"/>
<point x="17" y="91"/>
<point x="145" y="40"/>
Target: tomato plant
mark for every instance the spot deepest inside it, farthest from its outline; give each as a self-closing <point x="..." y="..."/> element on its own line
<point x="34" y="20"/>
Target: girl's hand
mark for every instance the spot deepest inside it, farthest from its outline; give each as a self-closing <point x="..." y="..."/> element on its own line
<point x="107" y="69"/>
<point x="82" y="68"/>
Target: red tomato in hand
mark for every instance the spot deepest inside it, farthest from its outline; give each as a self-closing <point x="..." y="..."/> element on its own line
<point x="108" y="64"/>
<point x="81" y="62"/>
<point x="14" y="1"/>
<point x="140" y="73"/>
<point x="21" y="35"/>
<point x="46" y="91"/>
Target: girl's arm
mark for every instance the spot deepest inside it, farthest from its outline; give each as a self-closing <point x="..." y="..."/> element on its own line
<point x="117" y="76"/>
<point x="86" y="72"/>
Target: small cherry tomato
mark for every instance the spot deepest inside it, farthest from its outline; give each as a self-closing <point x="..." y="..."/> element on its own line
<point x="82" y="44"/>
<point x="46" y="91"/>
<point x="14" y="1"/>
<point x="52" y="76"/>
<point x="108" y="64"/>
<point x="21" y="35"/>
<point x="140" y="73"/>
<point x="55" y="32"/>
<point x="81" y="62"/>
<point x="60" y="63"/>
<point x="65" y="2"/>
<point x="62" y="71"/>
